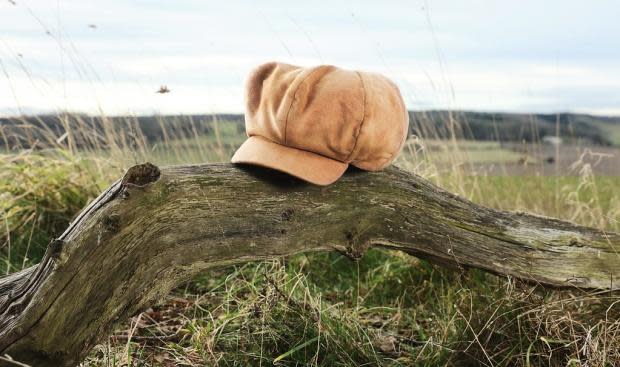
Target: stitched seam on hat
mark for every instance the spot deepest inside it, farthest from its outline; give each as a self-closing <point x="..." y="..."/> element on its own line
<point x="400" y="146"/>
<point x="290" y="107"/>
<point x="359" y="131"/>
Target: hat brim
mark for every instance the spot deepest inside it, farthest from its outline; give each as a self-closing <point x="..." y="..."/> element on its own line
<point x="308" y="166"/>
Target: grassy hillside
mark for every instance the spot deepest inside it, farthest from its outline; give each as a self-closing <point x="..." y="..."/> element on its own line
<point x="502" y="127"/>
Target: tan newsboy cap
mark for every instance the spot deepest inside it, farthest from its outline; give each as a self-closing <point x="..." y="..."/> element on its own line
<point x="313" y="122"/>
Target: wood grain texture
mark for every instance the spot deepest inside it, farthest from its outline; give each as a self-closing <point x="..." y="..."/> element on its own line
<point x="155" y="229"/>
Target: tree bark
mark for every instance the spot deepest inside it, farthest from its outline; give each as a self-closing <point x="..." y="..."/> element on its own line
<point x="155" y="229"/>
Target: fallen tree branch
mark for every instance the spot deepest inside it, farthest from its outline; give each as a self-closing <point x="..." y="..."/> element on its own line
<point x="152" y="230"/>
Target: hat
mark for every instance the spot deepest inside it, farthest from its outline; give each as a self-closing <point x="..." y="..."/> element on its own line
<point x="313" y="122"/>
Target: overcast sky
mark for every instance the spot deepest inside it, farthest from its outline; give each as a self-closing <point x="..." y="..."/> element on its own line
<point x="111" y="56"/>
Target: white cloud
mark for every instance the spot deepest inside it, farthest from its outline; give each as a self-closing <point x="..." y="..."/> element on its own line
<point x="484" y="55"/>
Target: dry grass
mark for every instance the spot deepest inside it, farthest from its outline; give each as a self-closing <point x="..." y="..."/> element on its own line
<point x="322" y="309"/>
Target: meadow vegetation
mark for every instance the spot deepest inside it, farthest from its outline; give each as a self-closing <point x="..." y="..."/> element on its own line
<point x="323" y="309"/>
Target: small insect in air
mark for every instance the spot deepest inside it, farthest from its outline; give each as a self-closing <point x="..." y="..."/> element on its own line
<point x="92" y="26"/>
<point x="13" y="2"/>
<point x="163" y="89"/>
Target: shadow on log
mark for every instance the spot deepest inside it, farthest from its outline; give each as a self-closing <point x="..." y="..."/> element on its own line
<point x="155" y="229"/>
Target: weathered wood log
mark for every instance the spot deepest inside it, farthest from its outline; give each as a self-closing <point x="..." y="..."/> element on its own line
<point x="154" y="229"/>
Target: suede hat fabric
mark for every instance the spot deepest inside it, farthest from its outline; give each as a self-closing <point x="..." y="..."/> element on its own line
<point x="313" y="122"/>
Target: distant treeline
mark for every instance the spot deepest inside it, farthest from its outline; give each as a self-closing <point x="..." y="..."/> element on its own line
<point x="86" y="130"/>
<point x="512" y="127"/>
<point x="505" y="127"/>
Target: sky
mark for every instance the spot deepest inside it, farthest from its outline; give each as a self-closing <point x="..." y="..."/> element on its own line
<point x="110" y="57"/>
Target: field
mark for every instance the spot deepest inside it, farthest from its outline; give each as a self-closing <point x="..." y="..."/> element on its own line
<point x="388" y="309"/>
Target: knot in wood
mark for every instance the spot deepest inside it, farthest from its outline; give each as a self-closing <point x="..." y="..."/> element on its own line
<point x="287" y="214"/>
<point x="355" y="249"/>
<point x="112" y="222"/>
<point x="574" y="242"/>
<point x="55" y="247"/>
<point x="141" y="175"/>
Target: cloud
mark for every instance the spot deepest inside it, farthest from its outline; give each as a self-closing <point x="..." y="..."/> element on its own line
<point x="527" y="56"/>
